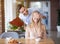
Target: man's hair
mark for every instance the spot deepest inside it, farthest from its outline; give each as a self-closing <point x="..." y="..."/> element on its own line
<point x="19" y="6"/>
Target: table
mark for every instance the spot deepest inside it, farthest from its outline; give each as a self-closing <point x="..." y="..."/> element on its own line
<point x="28" y="41"/>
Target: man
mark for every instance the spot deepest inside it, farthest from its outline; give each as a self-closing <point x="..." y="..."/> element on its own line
<point x="25" y="17"/>
<point x="23" y="14"/>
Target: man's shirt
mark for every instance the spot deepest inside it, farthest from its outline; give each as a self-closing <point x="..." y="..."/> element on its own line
<point x="25" y="19"/>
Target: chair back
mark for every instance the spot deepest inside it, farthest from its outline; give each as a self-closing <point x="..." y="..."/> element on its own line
<point x="10" y="34"/>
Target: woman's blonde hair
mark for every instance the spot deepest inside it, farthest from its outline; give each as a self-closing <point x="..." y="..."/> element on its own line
<point x="32" y="22"/>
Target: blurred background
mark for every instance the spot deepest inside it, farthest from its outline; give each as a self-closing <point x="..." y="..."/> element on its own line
<point x="50" y="8"/>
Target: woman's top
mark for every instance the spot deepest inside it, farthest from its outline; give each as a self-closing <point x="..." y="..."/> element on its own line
<point x="34" y="32"/>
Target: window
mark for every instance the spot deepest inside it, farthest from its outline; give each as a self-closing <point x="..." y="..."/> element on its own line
<point x="10" y="12"/>
<point x="35" y="4"/>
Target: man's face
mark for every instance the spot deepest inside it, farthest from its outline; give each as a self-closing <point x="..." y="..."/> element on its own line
<point x="25" y="11"/>
<point x="22" y="10"/>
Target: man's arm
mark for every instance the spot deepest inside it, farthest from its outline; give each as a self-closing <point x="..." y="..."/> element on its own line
<point x="44" y="17"/>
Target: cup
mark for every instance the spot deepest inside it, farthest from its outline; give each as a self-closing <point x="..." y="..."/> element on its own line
<point x="37" y="39"/>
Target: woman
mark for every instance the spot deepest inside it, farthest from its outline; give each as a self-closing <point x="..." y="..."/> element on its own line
<point x="36" y="29"/>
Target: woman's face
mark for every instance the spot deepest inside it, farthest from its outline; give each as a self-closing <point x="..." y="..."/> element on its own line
<point x="36" y="17"/>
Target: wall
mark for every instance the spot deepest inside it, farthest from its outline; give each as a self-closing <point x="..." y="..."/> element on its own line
<point x="2" y="16"/>
<point x="54" y="15"/>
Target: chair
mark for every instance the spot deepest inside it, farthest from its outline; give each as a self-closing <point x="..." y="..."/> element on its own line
<point x="9" y="34"/>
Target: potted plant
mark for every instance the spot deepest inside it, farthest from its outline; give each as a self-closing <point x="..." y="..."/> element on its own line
<point x="58" y="22"/>
<point x="13" y="28"/>
<point x="17" y="24"/>
<point x="16" y="28"/>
